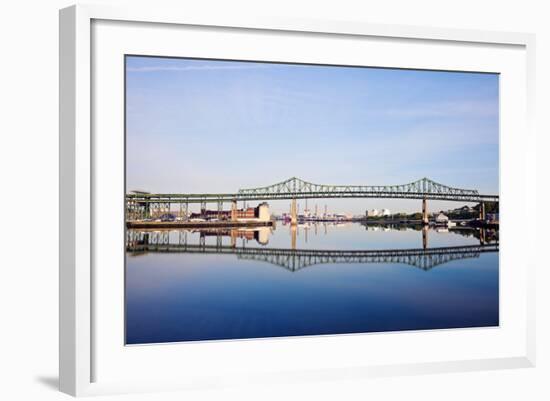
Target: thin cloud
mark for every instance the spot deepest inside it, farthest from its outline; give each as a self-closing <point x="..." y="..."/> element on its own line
<point x="474" y="108"/>
<point x="194" y="68"/>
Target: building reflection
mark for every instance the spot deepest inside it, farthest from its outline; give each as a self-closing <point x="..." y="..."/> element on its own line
<point x="251" y="244"/>
<point x="261" y="235"/>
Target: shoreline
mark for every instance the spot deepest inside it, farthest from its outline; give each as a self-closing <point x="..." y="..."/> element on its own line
<point x="271" y="223"/>
<point x="197" y="224"/>
<point x="469" y="223"/>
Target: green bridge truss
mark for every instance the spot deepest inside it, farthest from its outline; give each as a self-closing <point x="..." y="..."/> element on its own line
<point x="296" y="188"/>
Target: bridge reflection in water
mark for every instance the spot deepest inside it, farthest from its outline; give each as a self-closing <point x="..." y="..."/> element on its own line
<point x="424" y="258"/>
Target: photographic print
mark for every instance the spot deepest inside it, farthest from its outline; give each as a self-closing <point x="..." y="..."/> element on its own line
<point x="274" y="199"/>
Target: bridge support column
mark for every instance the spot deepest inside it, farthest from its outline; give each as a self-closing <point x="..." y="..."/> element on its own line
<point x="482" y="235"/>
<point x="482" y="211"/>
<point x="183" y="210"/>
<point x="129" y="211"/>
<point x="425" y="219"/>
<point x="293" y="233"/>
<point x="147" y="208"/>
<point x="425" y="237"/>
<point x="234" y="210"/>
<point x="203" y="209"/>
<point x="293" y="213"/>
<point x="183" y="238"/>
<point x="220" y="209"/>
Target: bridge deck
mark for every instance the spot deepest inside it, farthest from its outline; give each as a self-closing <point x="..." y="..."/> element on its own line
<point x="214" y="198"/>
<point x="295" y="188"/>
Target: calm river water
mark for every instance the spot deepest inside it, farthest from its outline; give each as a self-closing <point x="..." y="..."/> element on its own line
<point x="314" y="279"/>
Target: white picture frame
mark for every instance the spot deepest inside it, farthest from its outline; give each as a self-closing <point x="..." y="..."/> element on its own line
<point x="78" y="163"/>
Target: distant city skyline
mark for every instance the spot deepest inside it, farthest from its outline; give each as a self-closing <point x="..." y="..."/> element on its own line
<point x="199" y="126"/>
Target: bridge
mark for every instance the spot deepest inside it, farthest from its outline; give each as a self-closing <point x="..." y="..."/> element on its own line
<point x="297" y="259"/>
<point x="142" y="204"/>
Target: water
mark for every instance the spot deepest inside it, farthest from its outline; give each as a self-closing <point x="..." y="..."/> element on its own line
<point x="318" y="279"/>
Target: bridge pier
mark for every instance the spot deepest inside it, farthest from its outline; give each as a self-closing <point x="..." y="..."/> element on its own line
<point x="482" y="211"/>
<point x="220" y="209"/>
<point x="293" y="233"/>
<point x="425" y="219"/>
<point x="425" y="237"/>
<point x="184" y="208"/>
<point x="234" y="210"/>
<point x="160" y="208"/>
<point x="147" y="208"/>
<point x="293" y="213"/>
<point x="182" y="237"/>
<point x="203" y="209"/>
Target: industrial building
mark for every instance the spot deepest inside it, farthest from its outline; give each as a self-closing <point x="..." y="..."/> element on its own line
<point x="260" y="213"/>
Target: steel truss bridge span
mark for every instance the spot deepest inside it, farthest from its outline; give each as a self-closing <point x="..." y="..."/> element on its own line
<point x="295" y="188"/>
<point x="294" y="260"/>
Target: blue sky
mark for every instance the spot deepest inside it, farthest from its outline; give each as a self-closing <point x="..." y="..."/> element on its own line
<point x="217" y="126"/>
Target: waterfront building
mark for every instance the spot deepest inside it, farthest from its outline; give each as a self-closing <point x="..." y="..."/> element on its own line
<point x="260" y="213"/>
<point x="441" y="218"/>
